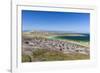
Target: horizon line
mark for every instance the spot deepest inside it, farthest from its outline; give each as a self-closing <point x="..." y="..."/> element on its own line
<point x="53" y="31"/>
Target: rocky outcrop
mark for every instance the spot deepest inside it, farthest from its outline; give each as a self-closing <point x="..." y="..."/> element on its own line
<point x="32" y="44"/>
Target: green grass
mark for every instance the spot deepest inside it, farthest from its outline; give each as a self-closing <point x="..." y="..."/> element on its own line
<point x="47" y="55"/>
<point x="26" y="58"/>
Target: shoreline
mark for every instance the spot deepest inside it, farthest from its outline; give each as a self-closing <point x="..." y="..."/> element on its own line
<point x="71" y="41"/>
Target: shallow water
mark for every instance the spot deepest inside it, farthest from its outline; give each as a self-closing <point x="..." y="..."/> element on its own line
<point x="85" y="37"/>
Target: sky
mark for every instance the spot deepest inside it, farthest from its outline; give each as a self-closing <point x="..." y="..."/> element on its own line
<point x="55" y="21"/>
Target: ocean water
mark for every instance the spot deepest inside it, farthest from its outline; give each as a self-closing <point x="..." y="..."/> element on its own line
<point x="85" y="37"/>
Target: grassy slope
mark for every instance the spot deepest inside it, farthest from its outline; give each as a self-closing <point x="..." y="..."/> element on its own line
<point x="47" y="55"/>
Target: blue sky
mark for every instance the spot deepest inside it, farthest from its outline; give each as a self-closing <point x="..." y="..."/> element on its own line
<point x="55" y="21"/>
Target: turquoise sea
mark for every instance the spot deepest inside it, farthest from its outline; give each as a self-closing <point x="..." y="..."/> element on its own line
<point x="85" y="37"/>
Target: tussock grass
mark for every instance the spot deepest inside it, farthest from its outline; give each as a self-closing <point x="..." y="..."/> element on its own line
<point x="26" y="58"/>
<point x="47" y="55"/>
